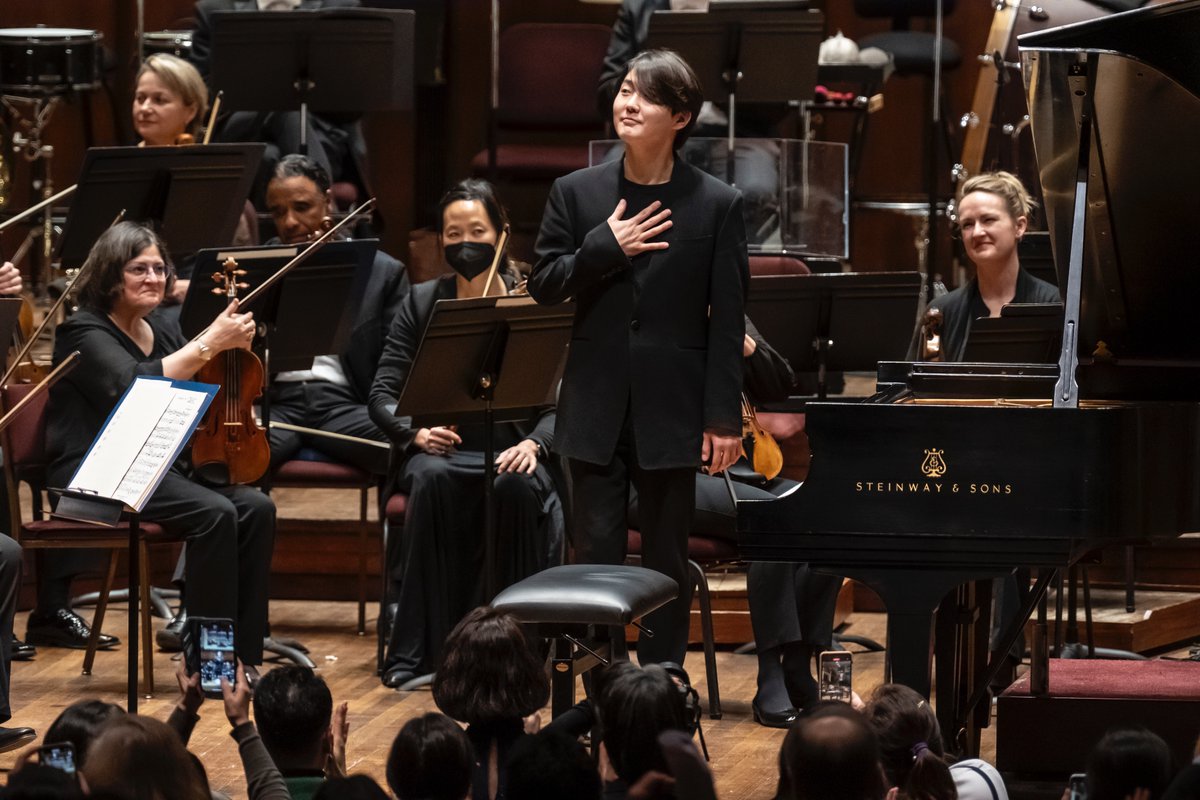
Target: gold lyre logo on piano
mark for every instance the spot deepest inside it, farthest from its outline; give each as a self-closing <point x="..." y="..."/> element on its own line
<point x="934" y="465"/>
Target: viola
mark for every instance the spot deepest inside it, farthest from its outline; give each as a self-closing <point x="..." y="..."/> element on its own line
<point x="230" y="447"/>
<point x="765" y="455"/>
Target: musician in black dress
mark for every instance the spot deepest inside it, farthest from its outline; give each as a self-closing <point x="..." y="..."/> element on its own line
<point x="992" y="217"/>
<point x="121" y="334"/>
<point x="993" y="214"/>
<point x="436" y="563"/>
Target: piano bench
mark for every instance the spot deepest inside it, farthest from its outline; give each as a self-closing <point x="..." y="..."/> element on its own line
<point x="578" y="605"/>
<point x="1087" y="698"/>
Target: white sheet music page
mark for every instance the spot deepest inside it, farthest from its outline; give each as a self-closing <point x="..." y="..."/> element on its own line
<point x="140" y="441"/>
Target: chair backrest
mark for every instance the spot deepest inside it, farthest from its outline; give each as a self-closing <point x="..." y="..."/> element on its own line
<point x="777" y="264"/>
<point x="24" y="440"/>
<point x="900" y="11"/>
<point x="548" y="75"/>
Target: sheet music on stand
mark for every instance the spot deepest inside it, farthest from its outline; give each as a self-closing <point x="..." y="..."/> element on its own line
<point x="139" y="442"/>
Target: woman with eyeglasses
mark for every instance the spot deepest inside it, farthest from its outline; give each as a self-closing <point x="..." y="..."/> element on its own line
<point x="121" y="334"/>
<point x="993" y="213"/>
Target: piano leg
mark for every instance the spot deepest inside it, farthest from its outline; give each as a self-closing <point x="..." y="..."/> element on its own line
<point x="961" y="656"/>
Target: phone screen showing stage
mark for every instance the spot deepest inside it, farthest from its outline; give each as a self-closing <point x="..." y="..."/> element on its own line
<point x="59" y="756"/>
<point x="837" y="671"/>
<point x="217" y="659"/>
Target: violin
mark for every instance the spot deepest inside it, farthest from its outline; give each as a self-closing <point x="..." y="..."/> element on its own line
<point x="765" y="455"/>
<point x="229" y="446"/>
<point x="931" y="335"/>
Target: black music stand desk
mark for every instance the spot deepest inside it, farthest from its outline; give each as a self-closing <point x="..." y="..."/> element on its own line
<point x="488" y="359"/>
<point x="836" y="322"/>
<point x="192" y="196"/>
<point x="1024" y="333"/>
<point x="346" y="60"/>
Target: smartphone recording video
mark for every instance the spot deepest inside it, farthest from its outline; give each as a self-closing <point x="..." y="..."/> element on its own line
<point x="210" y="652"/>
<point x="60" y="756"/>
<point x="837" y="672"/>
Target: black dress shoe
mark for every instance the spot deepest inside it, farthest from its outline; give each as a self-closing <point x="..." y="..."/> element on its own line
<point x="22" y="651"/>
<point x="12" y="738"/>
<point x="170" y="638"/>
<point x="63" y="628"/>
<point x="773" y="719"/>
<point x="396" y="677"/>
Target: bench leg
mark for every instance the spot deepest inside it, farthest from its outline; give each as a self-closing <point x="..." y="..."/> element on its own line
<point x="562" y="680"/>
<point x="706" y="632"/>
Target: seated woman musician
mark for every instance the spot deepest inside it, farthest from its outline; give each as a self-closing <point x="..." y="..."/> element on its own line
<point x="332" y="395"/>
<point x="121" y="334"/>
<point x="993" y="213"/>
<point x="437" y="564"/>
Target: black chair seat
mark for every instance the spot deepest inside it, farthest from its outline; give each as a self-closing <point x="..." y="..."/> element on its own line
<point x="588" y="594"/>
<point x="912" y="51"/>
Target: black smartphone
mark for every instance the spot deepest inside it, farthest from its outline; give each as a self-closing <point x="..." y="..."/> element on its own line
<point x="836" y="675"/>
<point x="209" y="649"/>
<point x="1078" y="786"/>
<point x="61" y="756"/>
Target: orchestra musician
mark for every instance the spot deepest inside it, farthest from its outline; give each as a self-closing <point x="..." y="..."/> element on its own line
<point x="993" y="213"/>
<point x="653" y="251"/>
<point x="122" y="334"/>
<point x="437" y="563"/>
<point x="332" y="396"/>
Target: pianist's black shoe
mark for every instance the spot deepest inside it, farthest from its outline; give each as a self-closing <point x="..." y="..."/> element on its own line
<point x="170" y="638"/>
<point x="63" y="628"/>
<point x="12" y="738"/>
<point x="22" y="651"/>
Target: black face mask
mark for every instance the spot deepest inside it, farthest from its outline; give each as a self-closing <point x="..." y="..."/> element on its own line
<point x="470" y="258"/>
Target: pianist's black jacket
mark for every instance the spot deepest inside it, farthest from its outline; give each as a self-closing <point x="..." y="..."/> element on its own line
<point x="964" y="305"/>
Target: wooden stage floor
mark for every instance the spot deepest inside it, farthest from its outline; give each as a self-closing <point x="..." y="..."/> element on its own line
<point x="744" y="753"/>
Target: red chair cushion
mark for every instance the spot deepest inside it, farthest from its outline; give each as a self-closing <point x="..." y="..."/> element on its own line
<point x="321" y="474"/>
<point x="533" y="162"/>
<point x="396" y="507"/>
<point x="64" y="530"/>
<point x="700" y="548"/>
<point x="777" y="264"/>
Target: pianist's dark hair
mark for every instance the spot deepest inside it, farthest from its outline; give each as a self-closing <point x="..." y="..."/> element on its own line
<point x="298" y="166"/>
<point x="665" y="79"/>
<point x="104" y="270"/>
<point x="911" y="749"/>
<point x="1004" y="185"/>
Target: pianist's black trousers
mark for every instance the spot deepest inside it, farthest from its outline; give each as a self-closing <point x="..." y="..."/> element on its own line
<point x="666" y="502"/>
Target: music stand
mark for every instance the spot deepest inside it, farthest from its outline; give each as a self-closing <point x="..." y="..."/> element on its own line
<point x="1024" y="333"/>
<point x="836" y="322"/>
<point x="460" y="374"/>
<point x="192" y="196"/>
<point x="330" y="60"/>
<point x="762" y="56"/>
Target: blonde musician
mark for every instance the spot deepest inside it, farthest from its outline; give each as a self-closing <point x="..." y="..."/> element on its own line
<point x="993" y="214"/>
<point x="168" y="102"/>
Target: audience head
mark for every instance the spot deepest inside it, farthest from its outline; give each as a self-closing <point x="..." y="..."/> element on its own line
<point x="1126" y="760"/>
<point x="79" y="724"/>
<point x="634" y="706"/>
<point x="663" y="78"/>
<point x="470" y="219"/>
<point x="910" y="743"/>
<point x="139" y="758"/>
<point x="169" y="100"/>
<point x="431" y="759"/>
<point x="489" y="670"/>
<point x="551" y="766"/>
<point x="299" y="198"/>
<point x="293" y="709"/>
<point x="353" y="787"/>
<point x="107" y="284"/>
<point x="831" y="753"/>
<point x="41" y="782"/>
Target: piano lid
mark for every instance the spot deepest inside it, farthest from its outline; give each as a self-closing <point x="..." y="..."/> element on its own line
<point x="1140" y="281"/>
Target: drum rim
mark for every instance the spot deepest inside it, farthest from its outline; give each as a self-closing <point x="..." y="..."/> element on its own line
<point x="50" y="34"/>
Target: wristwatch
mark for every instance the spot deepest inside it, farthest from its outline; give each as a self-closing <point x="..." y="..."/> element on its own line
<point x="206" y="352"/>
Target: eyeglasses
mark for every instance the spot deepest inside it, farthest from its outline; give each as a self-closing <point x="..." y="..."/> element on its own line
<point x="142" y="270"/>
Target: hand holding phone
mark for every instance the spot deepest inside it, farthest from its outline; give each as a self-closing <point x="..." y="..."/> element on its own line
<point x="1078" y="786"/>
<point x="60" y="756"/>
<point x="209" y="649"/>
<point x="836" y="675"/>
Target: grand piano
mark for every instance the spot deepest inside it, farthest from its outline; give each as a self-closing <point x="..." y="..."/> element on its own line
<point x="959" y="472"/>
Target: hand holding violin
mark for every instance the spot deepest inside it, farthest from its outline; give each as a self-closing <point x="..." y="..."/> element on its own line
<point x="230" y="330"/>
<point x="10" y="280"/>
